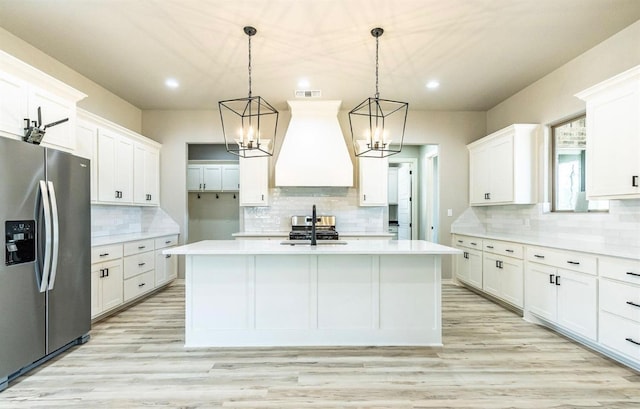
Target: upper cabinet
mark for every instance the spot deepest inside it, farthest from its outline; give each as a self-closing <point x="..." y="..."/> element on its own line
<point x="502" y="167"/>
<point x="613" y="137"/>
<point x="24" y="89"/>
<point x="374" y="179"/>
<point x="254" y="181"/>
<point x="213" y="178"/>
<point x="125" y="166"/>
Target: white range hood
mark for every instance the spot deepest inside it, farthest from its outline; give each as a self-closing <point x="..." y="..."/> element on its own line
<point x="314" y="151"/>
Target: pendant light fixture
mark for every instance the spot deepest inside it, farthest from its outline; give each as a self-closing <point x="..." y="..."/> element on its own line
<point x="249" y="124"/>
<point x="377" y="125"/>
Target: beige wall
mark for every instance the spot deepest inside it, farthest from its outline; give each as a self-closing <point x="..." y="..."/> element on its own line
<point x="551" y="98"/>
<point x="99" y="100"/>
<point x="450" y="130"/>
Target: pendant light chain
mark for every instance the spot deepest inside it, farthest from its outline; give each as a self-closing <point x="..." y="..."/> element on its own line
<point x="249" y="66"/>
<point x="377" y="93"/>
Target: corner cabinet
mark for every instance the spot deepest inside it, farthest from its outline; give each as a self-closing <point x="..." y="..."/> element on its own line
<point x="373" y="181"/>
<point x="502" y="167"/>
<point x="613" y="137"/>
<point x="254" y="181"/>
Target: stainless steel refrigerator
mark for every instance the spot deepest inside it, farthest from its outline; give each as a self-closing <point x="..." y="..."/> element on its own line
<point x="45" y="277"/>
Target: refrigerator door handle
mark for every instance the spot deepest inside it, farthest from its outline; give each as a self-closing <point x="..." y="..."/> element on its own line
<point x="56" y="235"/>
<point x="44" y="283"/>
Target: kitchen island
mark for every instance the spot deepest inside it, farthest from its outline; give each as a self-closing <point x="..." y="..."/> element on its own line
<point x="263" y="293"/>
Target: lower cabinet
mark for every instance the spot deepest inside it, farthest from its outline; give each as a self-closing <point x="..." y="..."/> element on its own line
<point x="468" y="265"/>
<point x="562" y="296"/>
<point x="123" y="272"/>
<point x="503" y="271"/>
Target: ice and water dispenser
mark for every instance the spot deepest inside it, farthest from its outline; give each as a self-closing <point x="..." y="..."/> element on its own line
<point x="20" y="241"/>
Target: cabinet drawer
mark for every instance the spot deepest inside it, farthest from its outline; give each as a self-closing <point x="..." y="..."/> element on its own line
<point x="620" y="334"/>
<point x="138" y="263"/>
<point x="166" y="241"/>
<point x="134" y="247"/>
<point x="620" y="269"/>
<point x="504" y="248"/>
<point x="621" y="299"/>
<point x="106" y="253"/>
<point x="567" y="260"/>
<point x="468" y="242"/>
<point x="137" y="285"/>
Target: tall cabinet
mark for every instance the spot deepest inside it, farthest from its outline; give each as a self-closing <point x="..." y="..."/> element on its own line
<point x="613" y="137"/>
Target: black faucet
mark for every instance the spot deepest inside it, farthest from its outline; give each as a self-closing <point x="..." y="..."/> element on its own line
<point x="313" y="226"/>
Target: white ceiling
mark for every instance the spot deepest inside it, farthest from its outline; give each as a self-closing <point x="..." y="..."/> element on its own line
<point x="481" y="51"/>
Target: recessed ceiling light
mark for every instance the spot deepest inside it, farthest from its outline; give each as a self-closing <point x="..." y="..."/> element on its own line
<point x="433" y="84"/>
<point x="171" y="83"/>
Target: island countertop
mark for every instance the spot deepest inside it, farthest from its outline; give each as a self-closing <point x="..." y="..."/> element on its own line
<point x="352" y="247"/>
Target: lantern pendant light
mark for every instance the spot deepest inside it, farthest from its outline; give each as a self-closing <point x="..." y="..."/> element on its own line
<point x="249" y="125"/>
<point x="377" y="125"/>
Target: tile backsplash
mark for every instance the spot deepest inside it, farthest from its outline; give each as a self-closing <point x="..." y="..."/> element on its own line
<point x="297" y="201"/>
<point x="112" y="220"/>
<point x="620" y="226"/>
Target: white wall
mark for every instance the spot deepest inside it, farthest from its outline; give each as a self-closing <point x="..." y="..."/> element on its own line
<point x="99" y="100"/>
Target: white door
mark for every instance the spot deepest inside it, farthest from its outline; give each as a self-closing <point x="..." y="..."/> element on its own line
<point x="404" y="202"/>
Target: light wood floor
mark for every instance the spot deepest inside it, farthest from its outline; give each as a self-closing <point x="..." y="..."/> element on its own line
<point x="491" y="359"/>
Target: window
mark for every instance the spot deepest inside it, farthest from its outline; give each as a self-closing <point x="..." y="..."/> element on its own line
<point x="569" y="168"/>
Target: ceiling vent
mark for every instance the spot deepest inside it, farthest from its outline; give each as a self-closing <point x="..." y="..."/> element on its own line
<point x="302" y="93"/>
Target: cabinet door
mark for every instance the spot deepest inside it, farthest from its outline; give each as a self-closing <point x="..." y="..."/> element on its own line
<point x="161" y="270"/>
<point x="145" y="174"/>
<point x="491" y="275"/>
<point x="540" y="290"/>
<point x="87" y="147"/>
<point x="474" y="260"/>
<point x="501" y="170"/>
<point x="479" y="164"/>
<point x="392" y="186"/>
<point x="230" y="178"/>
<point x="254" y="181"/>
<point x="124" y="169"/>
<point x="96" y="293"/>
<point x="194" y="177"/>
<point x="212" y="177"/>
<point x="112" y="294"/>
<point x="373" y="181"/>
<point x="577" y="303"/>
<point x="462" y="265"/>
<point x="13" y="104"/>
<point x="613" y="145"/>
<point x="54" y="108"/>
<point x="152" y="175"/>
<point x="107" y="142"/>
<point x="139" y="193"/>
<point x="512" y="275"/>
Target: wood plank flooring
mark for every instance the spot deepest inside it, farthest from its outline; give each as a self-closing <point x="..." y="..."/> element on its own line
<point x="491" y="359"/>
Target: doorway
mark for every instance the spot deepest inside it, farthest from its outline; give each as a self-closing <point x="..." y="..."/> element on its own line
<point x="403" y="212"/>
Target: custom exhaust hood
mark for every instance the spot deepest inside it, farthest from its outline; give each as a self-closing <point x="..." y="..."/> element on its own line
<point x="314" y="151"/>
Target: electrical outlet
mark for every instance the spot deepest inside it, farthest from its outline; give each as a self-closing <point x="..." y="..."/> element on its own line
<point x="449" y="212"/>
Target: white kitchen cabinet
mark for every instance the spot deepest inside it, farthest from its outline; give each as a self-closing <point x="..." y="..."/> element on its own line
<point x="392" y="187"/>
<point x="561" y="287"/>
<point x="115" y="167"/>
<point x="613" y="137"/>
<point x="254" y="181"/>
<point x="373" y="179"/>
<point x="14" y="106"/>
<point x="213" y="177"/>
<point x="106" y="278"/>
<point x="87" y="147"/>
<point x="23" y="89"/>
<point x="146" y="178"/>
<point x="468" y="265"/>
<point x="503" y="271"/>
<point x="502" y="167"/>
<point x="166" y="264"/>
<point x="139" y="268"/>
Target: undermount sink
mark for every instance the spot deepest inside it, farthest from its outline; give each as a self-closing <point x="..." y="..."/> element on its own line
<point x="308" y="242"/>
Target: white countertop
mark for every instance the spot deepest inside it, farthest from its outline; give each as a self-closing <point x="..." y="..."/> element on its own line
<point x="249" y="247"/>
<point x="604" y="249"/>
<point x="121" y="238"/>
